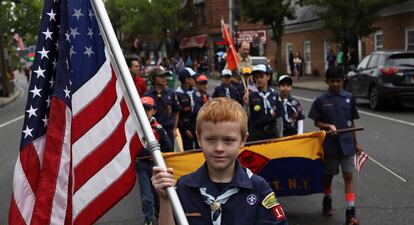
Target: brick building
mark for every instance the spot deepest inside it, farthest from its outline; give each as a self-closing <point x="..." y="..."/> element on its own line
<point x="305" y="34"/>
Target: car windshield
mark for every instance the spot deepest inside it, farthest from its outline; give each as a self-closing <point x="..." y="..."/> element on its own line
<point x="257" y="61"/>
<point x="401" y="60"/>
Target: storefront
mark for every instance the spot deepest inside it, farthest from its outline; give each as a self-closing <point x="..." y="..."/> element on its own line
<point x="194" y="46"/>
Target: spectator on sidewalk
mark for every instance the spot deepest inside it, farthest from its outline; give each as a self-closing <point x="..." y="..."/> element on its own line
<point x="135" y="69"/>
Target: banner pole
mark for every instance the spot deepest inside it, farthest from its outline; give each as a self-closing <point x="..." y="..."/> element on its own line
<point x="134" y="102"/>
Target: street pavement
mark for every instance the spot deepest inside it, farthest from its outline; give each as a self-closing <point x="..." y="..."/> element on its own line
<point x="384" y="187"/>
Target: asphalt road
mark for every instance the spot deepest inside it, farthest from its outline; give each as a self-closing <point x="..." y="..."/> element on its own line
<point x="385" y="190"/>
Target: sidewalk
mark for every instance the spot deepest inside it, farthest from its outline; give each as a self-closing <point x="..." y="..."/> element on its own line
<point x="6" y="100"/>
<point x="310" y="83"/>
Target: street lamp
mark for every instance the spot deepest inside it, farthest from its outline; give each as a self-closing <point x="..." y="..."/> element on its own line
<point x="235" y="34"/>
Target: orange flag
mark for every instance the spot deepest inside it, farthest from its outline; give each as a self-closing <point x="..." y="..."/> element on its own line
<point x="232" y="57"/>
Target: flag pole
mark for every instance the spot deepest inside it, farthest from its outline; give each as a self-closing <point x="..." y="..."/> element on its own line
<point x="134" y="102"/>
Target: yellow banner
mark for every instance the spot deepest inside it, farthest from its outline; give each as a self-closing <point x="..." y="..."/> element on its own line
<point x="308" y="145"/>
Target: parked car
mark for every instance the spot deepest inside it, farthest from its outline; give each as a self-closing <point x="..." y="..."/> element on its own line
<point x="383" y="77"/>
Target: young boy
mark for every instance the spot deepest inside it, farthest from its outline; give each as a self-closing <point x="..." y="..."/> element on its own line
<point x="149" y="198"/>
<point x="336" y="109"/>
<point x="293" y="117"/>
<point x="189" y="103"/>
<point x="226" y="88"/>
<point x="165" y="100"/>
<point x="265" y="121"/>
<point x="221" y="191"/>
<point x="202" y="87"/>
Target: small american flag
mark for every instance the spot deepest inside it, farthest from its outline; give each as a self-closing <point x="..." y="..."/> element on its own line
<point x="360" y="159"/>
<point x="79" y="142"/>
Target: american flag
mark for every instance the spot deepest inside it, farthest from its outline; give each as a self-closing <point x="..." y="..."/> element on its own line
<point x="360" y="159"/>
<point x="78" y="142"/>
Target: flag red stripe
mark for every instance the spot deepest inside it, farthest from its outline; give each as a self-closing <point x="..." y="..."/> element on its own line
<point x="103" y="154"/>
<point x="51" y="160"/>
<point x="114" y="193"/>
<point x="15" y="218"/>
<point x="91" y="114"/>
<point x="31" y="165"/>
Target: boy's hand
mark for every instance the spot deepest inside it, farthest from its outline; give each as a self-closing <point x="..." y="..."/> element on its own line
<point x="332" y="129"/>
<point x="358" y="148"/>
<point x="161" y="179"/>
<point x="189" y="134"/>
<point x="246" y="97"/>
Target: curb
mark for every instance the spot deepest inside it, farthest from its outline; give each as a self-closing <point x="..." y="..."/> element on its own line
<point x="11" y="98"/>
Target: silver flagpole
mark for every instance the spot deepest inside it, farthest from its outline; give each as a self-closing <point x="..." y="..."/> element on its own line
<point x="134" y="102"/>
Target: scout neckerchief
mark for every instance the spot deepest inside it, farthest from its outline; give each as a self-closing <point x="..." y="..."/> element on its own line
<point x="190" y="94"/>
<point x="266" y="103"/>
<point x="287" y="103"/>
<point x="215" y="203"/>
<point x="227" y="92"/>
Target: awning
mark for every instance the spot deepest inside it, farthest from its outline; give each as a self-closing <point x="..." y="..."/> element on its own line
<point x="198" y="41"/>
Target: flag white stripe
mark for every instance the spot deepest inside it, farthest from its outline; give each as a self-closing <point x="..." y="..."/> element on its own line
<point x="99" y="132"/>
<point x="106" y="176"/>
<point x="91" y="89"/>
<point x="61" y="192"/>
<point x="39" y="146"/>
<point x="23" y="193"/>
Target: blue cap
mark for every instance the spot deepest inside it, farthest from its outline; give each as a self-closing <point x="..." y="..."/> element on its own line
<point x="259" y="68"/>
<point x="186" y="72"/>
<point x="226" y="72"/>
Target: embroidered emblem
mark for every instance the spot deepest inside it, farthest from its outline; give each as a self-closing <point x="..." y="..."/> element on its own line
<point x="349" y="123"/>
<point x="256" y="108"/>
<point x="251" y="199"/>
<point x="270" y="201"/>
<point x="348" y="100"/>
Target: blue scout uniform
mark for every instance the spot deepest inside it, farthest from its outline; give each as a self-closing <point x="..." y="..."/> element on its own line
<point x="167" y="104"/>
<point x="190" y="103"/>
<point x="250" y="200"/>
<point x="339" y="110"/>
<point x="143" y="167"/>
<point x="293" y="112"/>
<point x="264" y="109"/>
<point x="230" y="91"/>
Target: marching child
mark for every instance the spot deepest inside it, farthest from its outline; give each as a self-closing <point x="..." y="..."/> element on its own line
<point x="221" y="191"/>
<point x="226" y="88"/>
<point x="265" y="121"/>
<point x="149" y="198"/>
<point x="336" y="109"/>
<point x="202" y="87"/>
<point x="293" y="117"/>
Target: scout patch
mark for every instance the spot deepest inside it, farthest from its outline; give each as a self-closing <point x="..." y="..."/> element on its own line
<point x="256" y="108"/>
<point x="251" y="199"/>
<point x="348" y="100"/>
<point x="279" y="214"/>
<point x="270" y="201"/>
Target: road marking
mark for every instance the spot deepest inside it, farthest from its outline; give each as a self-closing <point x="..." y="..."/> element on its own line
<point x="368" y="114"/>
<point x="381" y="117"/>
<point x="11" y="121"/>
<point x="385" y="168"/>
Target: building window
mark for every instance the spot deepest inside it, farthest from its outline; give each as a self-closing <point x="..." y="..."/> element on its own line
<point x="409" y="39"/>
<point x="378" y="41"/>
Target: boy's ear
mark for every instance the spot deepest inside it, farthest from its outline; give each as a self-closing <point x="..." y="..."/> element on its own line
<point x="244" y="140"/>
<point x="198" y="137"/>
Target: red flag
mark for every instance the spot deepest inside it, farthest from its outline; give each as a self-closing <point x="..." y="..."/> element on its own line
<point x="232" y="56"/>
<point x="79" y="142"/>
<point x="360" y="159"/>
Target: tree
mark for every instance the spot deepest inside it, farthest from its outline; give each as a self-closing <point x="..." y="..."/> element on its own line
<point x="155" y="17"/>
<point x="271" y="13"/>
<point x="351" y="20"/>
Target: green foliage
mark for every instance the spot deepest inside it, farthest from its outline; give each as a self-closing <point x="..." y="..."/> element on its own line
<point x="144" y="16"/>
<point x="269" y="12"/>
<point x="350" y="20"/>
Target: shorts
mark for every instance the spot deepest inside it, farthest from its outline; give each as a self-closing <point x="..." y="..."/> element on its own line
<point x="332" y="164"/>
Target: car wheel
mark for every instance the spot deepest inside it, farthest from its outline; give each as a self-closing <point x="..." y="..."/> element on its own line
<point x="374" y="101"/>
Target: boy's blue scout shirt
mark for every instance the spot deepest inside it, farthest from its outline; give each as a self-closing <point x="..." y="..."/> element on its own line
<point x="339" y="110"/>
<point x="290" y="107"/>
<point x="220" y="91"/>
<point x="190" y="104"/>
<point x="244" y="208"/>
<point x="259" y="115"/>
<point x="167" y="104"/>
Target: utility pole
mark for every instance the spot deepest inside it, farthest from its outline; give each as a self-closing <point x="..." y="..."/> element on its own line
<point x="231" y="5"/>
<point x="3" y="66"/>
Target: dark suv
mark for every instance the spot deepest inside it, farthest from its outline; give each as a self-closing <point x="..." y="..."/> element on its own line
<point x="383" y="77"/>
